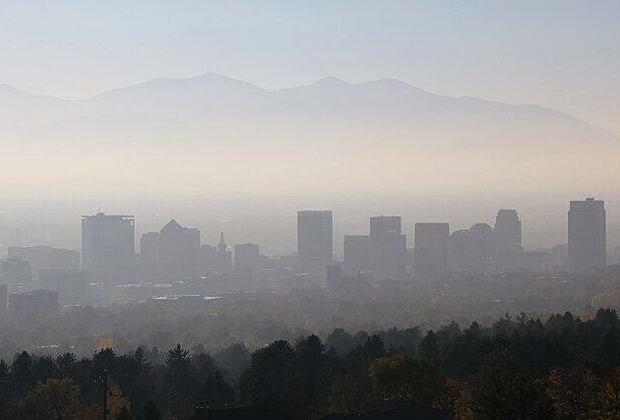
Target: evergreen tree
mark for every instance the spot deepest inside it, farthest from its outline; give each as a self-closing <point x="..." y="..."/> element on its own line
<point x="405" y="377"/>
<point x="52" y="399"/>
<point x="66" y="364"/>
<point x="21" y="374"/>
<point x="150" y="411"/>
<point x="268" y="379"/>
<point x="179" y="386"/>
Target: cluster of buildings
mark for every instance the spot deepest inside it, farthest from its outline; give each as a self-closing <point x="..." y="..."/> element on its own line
<point x="174" y="264"/>
<point x="383" y="254"/>
<point x="33" y="278"/>
<point x="174" y="253"/>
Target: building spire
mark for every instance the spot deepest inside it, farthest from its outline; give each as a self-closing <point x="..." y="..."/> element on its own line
<point x="221" y="245"/>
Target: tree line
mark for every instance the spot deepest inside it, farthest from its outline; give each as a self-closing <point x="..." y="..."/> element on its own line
<point x="562" y="367"/>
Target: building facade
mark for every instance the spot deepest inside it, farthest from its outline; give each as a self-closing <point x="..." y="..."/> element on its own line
<point x="72" y="285"/>
<point x="179" y="250"/>
<point x="431" y="247"/>
<point x="315" y="242"/>
<point x="507" y="232"/>
<point x="108" y="247"/>
<point x="587" y="235"/>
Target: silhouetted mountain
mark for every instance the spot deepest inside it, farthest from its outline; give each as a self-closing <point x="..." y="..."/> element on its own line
<point x="211" y="105"/>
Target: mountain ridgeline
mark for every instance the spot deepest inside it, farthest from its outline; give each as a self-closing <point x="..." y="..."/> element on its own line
<point x="212" y="104"/>
<point x="385" y="124"/>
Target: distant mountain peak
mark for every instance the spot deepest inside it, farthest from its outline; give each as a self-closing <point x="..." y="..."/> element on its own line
<point x="214" y="76"/>
<point x="388" y="82"/>
<point x="205" y="81"/>
<point x="331" y="82"/>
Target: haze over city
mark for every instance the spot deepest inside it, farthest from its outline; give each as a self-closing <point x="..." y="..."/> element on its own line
<point x="309" y="210"/>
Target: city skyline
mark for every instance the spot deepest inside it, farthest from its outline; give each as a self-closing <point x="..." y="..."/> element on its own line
<point x="176" y="257"/>
<point x="544" y="227"/>
<point x="321" y="225"/>
<point x="311" y="209"/>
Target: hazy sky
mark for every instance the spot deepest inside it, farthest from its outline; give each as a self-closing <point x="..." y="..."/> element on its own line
<point x="562" y="54"/>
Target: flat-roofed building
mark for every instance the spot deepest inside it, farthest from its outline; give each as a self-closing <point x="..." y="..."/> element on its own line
<point x="431" y="247"/>
<point x="315" y="242"/>
<point x="356" y="254"/>
<point x="380" y="225"/>
<point x="72" y="285"/>
<point x="16" y="274"/>
<point x="33" y="304"/>
<point x="108" y="247"/>
<point x="587" y="240"/>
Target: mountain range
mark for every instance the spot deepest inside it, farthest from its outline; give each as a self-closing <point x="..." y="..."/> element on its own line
<point x="211" y="133"/>
<point x="212" y="109"/>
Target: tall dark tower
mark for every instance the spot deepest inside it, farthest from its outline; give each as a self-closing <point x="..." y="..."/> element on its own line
<point x="431" y="247"/>
<point x="507" y="232"/>
<point x="315" y="241"/>
<point x="108" y="247"/>
<point x="586" y="235"/>
<point x="223" y="256"/>
<point x="388" y="248"/>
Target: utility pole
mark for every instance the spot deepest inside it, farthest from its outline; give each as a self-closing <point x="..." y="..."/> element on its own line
<point x="105" y="395"/>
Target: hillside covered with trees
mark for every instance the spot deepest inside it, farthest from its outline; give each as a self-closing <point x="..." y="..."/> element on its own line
<point x="561" y="367"/>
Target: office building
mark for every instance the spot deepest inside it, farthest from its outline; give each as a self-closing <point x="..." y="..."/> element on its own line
<point x="431" y="247"/>
<point x="382" y="253"/>
<point x="388" y="256"/>
<point x="388" y="248"/>
<point x="356" y="254"/>
<point x="33" y="304"/>
<point x="484" y="233"/>
<point x="460" y="249"/>
<point x="216" y="258"/>
<point x="71" y="285"/>
<point x="587" y="235"/>
<point x="108" y="247"/>
<point x="149" y="248"/>
<point x="507" y="232"/>
<point x="16" y="274"/>
<point x="381" y="225"/>
<point x="469" y="249"/>
<point x="208" y="258"/>
<point x="315" y="242"/>
<point x="45" y="258"/>
<point x="179" y="250"/>
<point x="223" y="256"/>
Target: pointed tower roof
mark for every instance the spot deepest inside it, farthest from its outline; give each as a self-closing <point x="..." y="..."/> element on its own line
<point x="222" y="242"/>
<point x="172" y="224"/>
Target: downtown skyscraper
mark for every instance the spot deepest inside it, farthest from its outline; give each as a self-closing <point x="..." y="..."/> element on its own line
<point x="315" y="241"/>
<point x="587" y="235"/>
